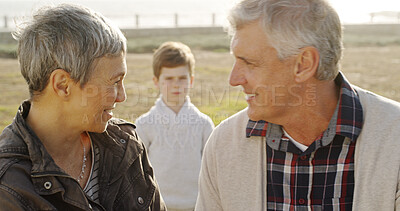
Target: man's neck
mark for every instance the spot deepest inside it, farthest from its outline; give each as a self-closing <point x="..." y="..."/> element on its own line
<point x="308" y="122"/>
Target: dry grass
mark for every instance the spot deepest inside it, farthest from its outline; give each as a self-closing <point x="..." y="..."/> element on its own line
<point x="373" y="68"/>
<point x="211" y="92"/>
<point x="371" y="60"/>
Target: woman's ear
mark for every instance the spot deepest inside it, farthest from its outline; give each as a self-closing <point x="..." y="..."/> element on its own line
<point x="307" y="63"/>
<point x="60" y="82"/>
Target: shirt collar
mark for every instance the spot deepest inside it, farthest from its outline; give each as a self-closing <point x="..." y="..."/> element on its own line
<point x="348" y="114"/>
<point x="161" y="106"/>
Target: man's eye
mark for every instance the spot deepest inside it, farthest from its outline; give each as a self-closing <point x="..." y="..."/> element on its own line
<point x="247" y="63"/>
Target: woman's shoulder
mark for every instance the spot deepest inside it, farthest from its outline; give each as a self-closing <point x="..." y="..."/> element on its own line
<point x="15" y="174"/>
<point x="13" y="150"/>
<point x="123" y="125"/>
<point x="122" y="132"/>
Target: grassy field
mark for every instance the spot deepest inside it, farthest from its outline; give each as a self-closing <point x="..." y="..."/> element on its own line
<point x="370" y="61"/>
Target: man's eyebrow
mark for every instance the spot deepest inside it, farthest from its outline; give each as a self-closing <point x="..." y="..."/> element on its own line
<point x="246" y="59"/>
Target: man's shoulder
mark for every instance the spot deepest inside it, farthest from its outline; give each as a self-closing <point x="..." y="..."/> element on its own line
<point x="381" y="124"/>
<point x="377" y="106"/>
<point x="238" y="119"/>
<point x="234" y="126"/>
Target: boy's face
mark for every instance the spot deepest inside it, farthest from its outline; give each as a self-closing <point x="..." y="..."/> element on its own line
<point x="174" y="84"/>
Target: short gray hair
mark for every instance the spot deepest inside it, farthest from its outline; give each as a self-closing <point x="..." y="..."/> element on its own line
<point x="68" y="37"/>
<point x="293" y="24"/>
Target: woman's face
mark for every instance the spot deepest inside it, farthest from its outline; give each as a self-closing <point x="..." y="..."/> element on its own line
<point x="93" y="104"/>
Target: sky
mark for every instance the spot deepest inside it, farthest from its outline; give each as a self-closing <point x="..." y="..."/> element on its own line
<point x="350" y="11"/>
<point x="357" y="10"/>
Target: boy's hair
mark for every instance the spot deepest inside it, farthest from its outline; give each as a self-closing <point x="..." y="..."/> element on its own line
<point x="172" y="54"/>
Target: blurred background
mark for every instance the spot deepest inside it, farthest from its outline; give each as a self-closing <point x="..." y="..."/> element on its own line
<point x="173" y="13"/>
<point x="371" y="57"/>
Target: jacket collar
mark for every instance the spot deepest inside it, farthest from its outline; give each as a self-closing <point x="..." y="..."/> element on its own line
<point x="119" y="147"/>
<point x="41" y="159"/>
<point x="20" y="140"/>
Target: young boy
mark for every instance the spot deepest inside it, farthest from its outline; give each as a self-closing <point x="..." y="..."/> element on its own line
<point x="174" y="130"/>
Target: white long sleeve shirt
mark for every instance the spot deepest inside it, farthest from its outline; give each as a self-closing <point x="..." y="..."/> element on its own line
<point x="175" y="144"/>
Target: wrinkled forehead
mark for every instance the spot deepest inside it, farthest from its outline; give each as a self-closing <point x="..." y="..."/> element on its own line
<point x="110" y="67"/>
<point x="251" y="36"/>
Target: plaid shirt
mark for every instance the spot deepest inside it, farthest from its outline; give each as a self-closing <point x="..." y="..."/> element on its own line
<point x="321" y="177"/>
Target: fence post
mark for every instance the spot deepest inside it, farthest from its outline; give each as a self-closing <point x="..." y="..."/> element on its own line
<point x="176" y="20"/>
<point x="5" y="21"/>
<point x="213" y="19"/>
<point x="398" y="17"/>
<point x="137" y="20"/>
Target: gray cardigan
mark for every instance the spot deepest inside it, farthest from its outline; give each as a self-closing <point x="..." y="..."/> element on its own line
<point x="233" y="172"/>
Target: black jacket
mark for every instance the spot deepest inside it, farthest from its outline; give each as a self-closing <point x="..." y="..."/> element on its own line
<point x="30" y="179"/>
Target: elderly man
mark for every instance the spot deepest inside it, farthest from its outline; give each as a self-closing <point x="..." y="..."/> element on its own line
<point x="63" y="150"/>
<point x="309" y="140"/>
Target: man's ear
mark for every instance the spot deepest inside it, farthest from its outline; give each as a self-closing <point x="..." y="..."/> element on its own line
<point x="155" y="80"/>
<point x="60" y="82"/>
<point x="306" y="64"/>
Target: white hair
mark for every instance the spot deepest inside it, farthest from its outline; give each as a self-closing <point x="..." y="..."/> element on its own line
<point x="293" y="24"/>
<point x="68" y="37"/>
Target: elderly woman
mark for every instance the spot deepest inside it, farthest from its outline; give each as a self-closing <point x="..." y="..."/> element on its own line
<point x="64" y="150"/>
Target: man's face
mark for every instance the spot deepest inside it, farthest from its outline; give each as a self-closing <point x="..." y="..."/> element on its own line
<point x="174" y="84"/>
<point x="266" y="80"/>
<point x="97" y="99"/>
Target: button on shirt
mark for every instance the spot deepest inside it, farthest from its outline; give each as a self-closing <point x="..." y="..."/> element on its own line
<point x="322" y="176"/>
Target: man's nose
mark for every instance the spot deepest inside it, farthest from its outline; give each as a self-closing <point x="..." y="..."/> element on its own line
<point x="236" y="77"/>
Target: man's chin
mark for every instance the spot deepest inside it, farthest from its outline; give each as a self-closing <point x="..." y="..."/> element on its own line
<point x="253" y="114"/>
